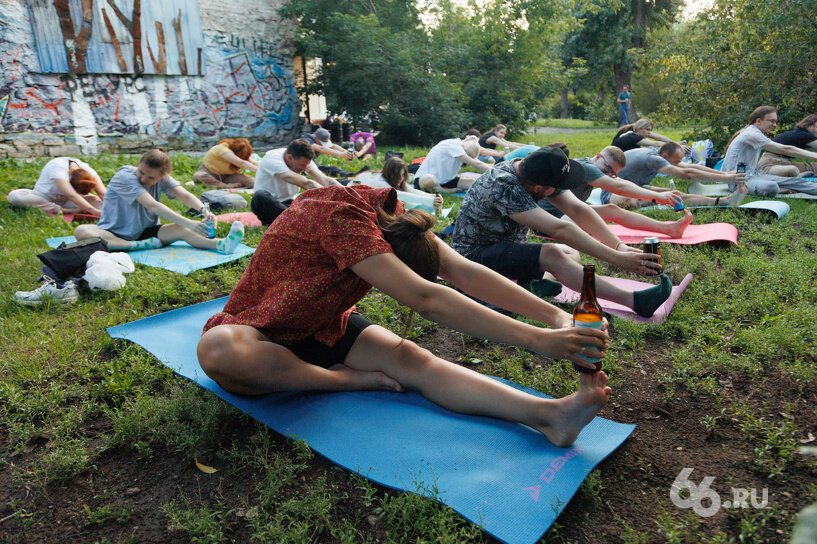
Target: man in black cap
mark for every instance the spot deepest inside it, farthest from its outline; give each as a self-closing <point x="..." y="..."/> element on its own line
<point x="493" y="222"/>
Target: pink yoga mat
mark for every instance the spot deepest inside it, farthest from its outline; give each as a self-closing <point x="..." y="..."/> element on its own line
<point x="568" y="296"/>
<point x="248" y="219"/>
<point x="694" y="234"/>
<point x="83" y="217"/>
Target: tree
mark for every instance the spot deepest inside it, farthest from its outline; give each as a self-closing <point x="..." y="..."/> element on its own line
<point x="736" y="56"/>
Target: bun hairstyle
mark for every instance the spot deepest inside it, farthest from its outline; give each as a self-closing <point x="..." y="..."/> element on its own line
<point x="82" y="182"/>
<point x="412" y="240"/>
<point x="240" y="146"/>
<point x="158" y="159"/>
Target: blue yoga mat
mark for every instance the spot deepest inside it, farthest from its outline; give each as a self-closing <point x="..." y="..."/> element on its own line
<point x="773" y="207"/>
<point x="504" y="477"/>
<point x="177" y="257"/>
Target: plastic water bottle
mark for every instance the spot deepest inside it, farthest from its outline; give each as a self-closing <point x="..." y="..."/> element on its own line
<point x="680" y="205"/>
<point x="209" y="222"/>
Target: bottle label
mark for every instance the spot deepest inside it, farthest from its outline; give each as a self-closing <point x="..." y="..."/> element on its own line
<point x="592" y="325"/>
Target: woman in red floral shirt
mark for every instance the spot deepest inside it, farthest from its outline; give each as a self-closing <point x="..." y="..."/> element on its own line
<point x="290" y="323"/>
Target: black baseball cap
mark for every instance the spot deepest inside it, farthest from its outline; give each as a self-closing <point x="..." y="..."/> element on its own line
<point x="549" y="166"/>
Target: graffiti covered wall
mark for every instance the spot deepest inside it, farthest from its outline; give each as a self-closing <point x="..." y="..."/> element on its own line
<point x="247" y="89"/>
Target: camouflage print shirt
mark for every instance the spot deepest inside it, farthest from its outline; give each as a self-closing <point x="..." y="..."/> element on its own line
<point x="484" y="215"/>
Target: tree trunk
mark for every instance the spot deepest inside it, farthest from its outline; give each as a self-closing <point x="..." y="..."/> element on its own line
<point x="563" y="96"/>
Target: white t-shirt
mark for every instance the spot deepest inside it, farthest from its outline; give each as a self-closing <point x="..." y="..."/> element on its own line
<point x="413" y="198"/>
<point x="57" y="169"/>
<point x="266" y="178"/>
<point x="442" y="161"/>
<point x="745" y="148"/>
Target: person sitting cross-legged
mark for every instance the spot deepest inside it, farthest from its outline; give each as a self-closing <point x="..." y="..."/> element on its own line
<point x="222" y="164"/>
<point x="290" y="323"/>
<point x="65" y="185"/>
<point x="132" y="209"/>
<point x="439" y="171"/>
<point x="502" y="204"/>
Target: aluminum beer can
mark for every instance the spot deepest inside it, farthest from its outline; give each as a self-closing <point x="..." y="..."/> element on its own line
<point x="653" y="245"/>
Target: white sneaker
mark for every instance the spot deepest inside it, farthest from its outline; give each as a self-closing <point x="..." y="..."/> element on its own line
<point x="49" y="292"/>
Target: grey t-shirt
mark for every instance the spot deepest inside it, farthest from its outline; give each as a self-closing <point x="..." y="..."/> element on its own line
<point x="642" y="166"/>
<point x="484" y="215"/>
<point x="582" y="192"/>
<point x="745" y="148"/>
<point x="121" y="213"/>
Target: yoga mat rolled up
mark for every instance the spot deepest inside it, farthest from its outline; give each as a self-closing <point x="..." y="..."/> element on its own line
<point x="505" y="477"/>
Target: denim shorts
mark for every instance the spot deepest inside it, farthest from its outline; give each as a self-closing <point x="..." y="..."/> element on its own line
<point x="517" y="261"/>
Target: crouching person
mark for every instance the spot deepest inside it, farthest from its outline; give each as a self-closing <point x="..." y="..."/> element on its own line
<point x="132" y="209"/>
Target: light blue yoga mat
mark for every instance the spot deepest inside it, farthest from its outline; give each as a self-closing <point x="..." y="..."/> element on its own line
<point x="504" y="477"/>
<point x="774" y="207"/>
<point x="177" y="257"/>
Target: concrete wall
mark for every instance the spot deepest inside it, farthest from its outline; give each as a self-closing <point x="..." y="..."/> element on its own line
<point x="248" y="90"/>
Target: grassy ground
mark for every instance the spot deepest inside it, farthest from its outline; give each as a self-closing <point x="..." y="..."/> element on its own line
<point x="98" y="440"/>
<point x="565" y="123"/>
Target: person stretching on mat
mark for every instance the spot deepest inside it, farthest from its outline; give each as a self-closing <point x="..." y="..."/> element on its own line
<point x="640" y="134"/>
<point x="131" y="211"/>
<point x="745" y="147"/>
<point x="496" y="213"/>
<point x="438" y="172"/>
<point x="222" y="164"/>
<point x="65" y="184"/>
<point x="290" y="322"/>
<point x="643" y="164"/>
<point x="395" y="174"/>
<point x="804" y="136"/>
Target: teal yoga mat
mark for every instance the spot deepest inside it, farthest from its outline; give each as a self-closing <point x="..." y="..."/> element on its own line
<point x="176" y="257"/>
<point x="504" y="477"/>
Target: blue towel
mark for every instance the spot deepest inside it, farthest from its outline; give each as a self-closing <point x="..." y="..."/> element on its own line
<point x="505" y="477"/>
<point x="177" y="257"/>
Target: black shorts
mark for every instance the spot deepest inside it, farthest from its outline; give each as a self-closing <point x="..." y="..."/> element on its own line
<point x="512" y="260"/>
<point x="318" y="354"/>
<point x="150" y="232"/>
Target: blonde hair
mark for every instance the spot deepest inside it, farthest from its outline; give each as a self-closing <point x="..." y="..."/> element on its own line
<point x="615" y="154"/>
<point x="471" y="147"/>
<point x="638" y="125"/>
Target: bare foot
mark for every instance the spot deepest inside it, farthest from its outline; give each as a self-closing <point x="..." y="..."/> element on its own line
<point x="676" y="228"/>
<point x="361" y="380"/>
<point x="737" y="197"/>
<point x="572" y="413"/>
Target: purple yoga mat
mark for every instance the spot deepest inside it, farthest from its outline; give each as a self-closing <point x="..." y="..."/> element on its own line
<point x="568" y="296"/>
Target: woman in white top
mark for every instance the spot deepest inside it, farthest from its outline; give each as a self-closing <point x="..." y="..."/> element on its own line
<point x="745" y="147"/>
<point x="65" y="184"/>
<point x="395" y="174"/>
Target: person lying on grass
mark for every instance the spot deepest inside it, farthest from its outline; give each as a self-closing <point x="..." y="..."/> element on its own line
<point x="65" y="185"/>
<point x="131" y="211"/>
<point x="643" y="164"/>
<point x="502" y="205"/>
<point x="290" y="322"/>
<point x="222" y="164"/>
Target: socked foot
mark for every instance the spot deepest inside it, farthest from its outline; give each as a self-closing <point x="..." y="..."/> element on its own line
<point x="736" y="197"/>
<point x="676" y="228"/>
<point x="574" y="412"/>
<point x="360" y="380"/>
<point x="646" y="301"/>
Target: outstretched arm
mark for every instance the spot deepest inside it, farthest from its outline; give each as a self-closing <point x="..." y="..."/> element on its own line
<point x="623" y="187"/>
<point x="790" y="151"/>
<point x="474" y="163"/>
<point x="233" y="159"/>
<point x="68" y="190"/>
<point x="694" y="172"/>
<point x="157" y="208"/>
<point x="451" y="309"/>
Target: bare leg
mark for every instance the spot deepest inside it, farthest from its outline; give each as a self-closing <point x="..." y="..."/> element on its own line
<point x="245" y="362"/>
<point x="632" y="220"/>
<point x="464" y="391"/>
<point x="171" y="232"/>
<point x="115" y="243"/>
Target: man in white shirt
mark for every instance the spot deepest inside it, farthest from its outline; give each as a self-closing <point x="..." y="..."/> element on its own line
<point x="280" y="178"/>
<point x="440" y="169"/>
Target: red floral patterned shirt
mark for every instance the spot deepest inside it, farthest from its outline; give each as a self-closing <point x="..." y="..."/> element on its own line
<point x="299" y="281"/>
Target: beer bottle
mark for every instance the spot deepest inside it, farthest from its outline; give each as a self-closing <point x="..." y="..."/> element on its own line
<point x="588" y="313"/>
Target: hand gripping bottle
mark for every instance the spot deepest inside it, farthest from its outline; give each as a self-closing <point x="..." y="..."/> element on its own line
<point x="209" y="222"/>
<point x="680" y="205"/>
<point x="588" y="313"/>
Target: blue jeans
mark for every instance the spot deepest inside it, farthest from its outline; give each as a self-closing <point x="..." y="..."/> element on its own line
<point x="622" y="115"/>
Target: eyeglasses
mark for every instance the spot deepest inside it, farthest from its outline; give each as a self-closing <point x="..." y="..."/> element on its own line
<point x="607" y="169"/>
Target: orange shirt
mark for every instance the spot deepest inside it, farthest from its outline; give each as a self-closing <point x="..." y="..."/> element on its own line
<point x="299" y="281"/>
<point x="216" y="164"/>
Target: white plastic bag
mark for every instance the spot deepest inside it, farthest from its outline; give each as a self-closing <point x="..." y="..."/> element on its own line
<point x="107" y="270"/>
<point x="119" y="260"/>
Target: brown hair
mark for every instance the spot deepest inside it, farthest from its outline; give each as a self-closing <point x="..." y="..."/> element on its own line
<point x="82" y="181"/>
<point x="759" y="113"/>
<point x="471" y="132"/>
<point x="395" y="172"/>
<point x="300" y="149"/>
<point x="807" y="121"/>
<point x="240" y="146"/>
<point x="669" y="149"/>
<point x="158" y="159"/>
<point x="562" y="146"/>
<point x="412" y="241"/>
<point x="615" y="154"/>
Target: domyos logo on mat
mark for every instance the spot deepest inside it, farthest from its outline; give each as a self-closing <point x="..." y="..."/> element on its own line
<point x="550" y="472"/>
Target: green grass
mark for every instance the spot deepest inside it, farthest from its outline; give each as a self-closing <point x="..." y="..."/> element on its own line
<point x="741" y="343"/>
<point x="565" y="123"/>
